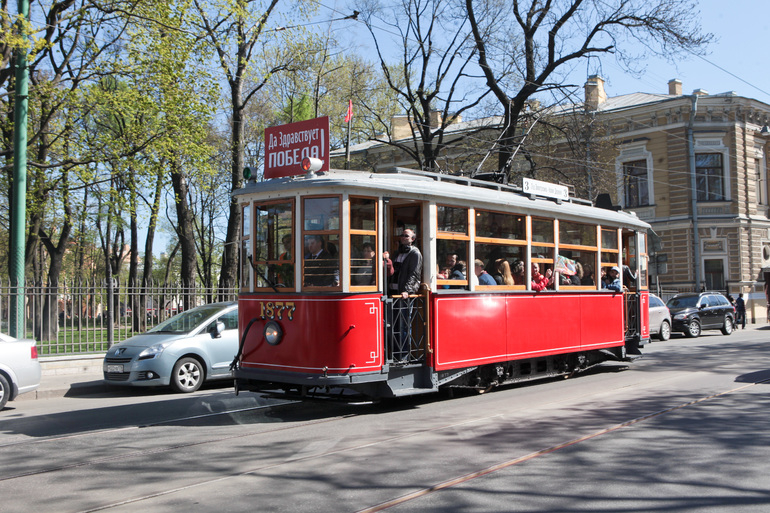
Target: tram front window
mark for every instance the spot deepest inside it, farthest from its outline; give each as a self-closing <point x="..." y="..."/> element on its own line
<point x="321" y="238"/>
<point x="273" y="240"/>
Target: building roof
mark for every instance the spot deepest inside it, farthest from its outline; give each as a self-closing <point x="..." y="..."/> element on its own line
<point x="454" y="128"/>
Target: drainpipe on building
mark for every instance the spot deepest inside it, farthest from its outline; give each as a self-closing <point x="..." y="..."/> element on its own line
<point x="693" y="190"/>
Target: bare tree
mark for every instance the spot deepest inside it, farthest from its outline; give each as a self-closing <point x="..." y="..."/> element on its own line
<point x="431" y="77"/>
<point x="248" y="54"/>
<point x="526" y="46"/>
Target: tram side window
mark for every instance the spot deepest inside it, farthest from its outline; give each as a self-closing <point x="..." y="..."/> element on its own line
<point x="577" y="254"/>
<point x="452" y="247"/>
<point x="364" y="263"/>
<point x="321" y="238"/>
<point x="501" y="245"/>
<point x="273" y="240"/>
<point x="610" y="250"/>
<point x="542" y="253"/>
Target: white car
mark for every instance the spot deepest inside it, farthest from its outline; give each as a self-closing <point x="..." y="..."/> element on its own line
<point x="19" y="368"/>
<point x="660" y="318"/>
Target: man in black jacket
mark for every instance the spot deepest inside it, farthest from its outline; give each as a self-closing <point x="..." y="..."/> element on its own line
<point x="407" y="266"/>
<point x="406" y="280"/>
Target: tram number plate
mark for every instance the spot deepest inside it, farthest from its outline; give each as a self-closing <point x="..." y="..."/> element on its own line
<point x="114" y="368"/>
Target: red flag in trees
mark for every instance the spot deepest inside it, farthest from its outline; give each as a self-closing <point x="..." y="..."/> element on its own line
<point x="349" y="115"/>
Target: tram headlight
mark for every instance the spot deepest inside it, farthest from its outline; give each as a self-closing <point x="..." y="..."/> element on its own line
<point x="273" y="333"/>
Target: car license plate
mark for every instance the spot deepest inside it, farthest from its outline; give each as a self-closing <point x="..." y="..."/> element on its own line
<point x="114" y="368"/>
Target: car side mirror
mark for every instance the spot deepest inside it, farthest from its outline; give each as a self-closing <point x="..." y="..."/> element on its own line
<point x="216" y="329"/>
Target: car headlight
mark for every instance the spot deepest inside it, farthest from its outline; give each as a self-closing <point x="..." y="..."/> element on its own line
<point x="152" y="352"/>
<point x="273" y="333"/>
<point x="680" y="317"/>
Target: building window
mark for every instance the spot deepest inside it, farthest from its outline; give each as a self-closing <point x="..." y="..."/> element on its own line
<point x="709" y="176"/>
<point x="636" y="187"/>
<point x="714" y="272"/>
<point x="761" y="178"/>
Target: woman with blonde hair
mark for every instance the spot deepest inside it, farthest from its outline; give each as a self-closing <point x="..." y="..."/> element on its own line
<point x="503" y="272"/>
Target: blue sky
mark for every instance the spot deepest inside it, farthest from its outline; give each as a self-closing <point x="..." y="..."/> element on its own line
<point x="740" y="50"/>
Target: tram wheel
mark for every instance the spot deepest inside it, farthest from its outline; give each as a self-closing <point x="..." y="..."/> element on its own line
<point x="5" y="391"/>
<point x="665" y="331"/>
<point x="693" y="330"/>
<point x="728" y="326"/>
<point x="187" y="375"/>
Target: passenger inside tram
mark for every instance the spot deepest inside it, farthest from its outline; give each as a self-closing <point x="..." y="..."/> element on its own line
<point x="519" y="276"/>
<point x="321" y="268"/>
<point x="541" y="281"/>
<point x="503" y="274"/>
<point x="362" y="269"/>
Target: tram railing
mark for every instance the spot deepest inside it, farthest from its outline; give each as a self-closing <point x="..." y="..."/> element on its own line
<point x="633" y="321"/>
<point x="405" y="330"/>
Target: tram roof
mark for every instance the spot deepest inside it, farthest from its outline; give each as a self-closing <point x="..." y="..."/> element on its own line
<point x="414" y="184"/>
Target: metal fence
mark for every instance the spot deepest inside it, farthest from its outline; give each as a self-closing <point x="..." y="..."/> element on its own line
<point x="88" y="317"/>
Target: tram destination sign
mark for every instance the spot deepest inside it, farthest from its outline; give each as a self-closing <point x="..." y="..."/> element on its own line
<point x="287" y="145"/>
<point x="545" y="189"/>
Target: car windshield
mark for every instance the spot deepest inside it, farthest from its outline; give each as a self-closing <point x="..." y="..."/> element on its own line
<point x="683" y="302"/>
<point x="187" y="321"/>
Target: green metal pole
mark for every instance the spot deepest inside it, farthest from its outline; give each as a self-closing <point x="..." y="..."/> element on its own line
<point x="19" y="192"/>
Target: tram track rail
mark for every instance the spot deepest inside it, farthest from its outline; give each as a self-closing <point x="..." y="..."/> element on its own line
<point x="452" y="481"/>
<point x="442" y="485"/>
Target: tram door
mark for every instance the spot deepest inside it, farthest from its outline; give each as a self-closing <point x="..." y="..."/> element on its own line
<point x="630" y="278"/>
<point x="405" y="319"/>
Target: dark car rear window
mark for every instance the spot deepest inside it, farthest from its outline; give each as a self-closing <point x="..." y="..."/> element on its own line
<point x="683" y="302"/>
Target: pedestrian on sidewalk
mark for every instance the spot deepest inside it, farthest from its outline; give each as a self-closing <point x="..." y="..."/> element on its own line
<point x="740" y="311"/>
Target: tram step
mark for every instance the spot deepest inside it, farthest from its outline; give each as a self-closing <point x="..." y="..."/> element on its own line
<point x="413" y="391"/>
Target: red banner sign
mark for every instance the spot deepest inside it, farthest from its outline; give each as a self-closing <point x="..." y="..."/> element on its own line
<point x="287" y="145"/>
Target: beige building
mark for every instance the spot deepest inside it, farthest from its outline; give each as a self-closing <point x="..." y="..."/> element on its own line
<point x="694" y="166"/>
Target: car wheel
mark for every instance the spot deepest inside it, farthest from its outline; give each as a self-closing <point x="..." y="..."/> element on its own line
<point x="728" y="326"/>
<point x="693" y="330"/>
<point x="187" y="375"/>
<point x="665" y="331"/>
<point x="5" y="391"/>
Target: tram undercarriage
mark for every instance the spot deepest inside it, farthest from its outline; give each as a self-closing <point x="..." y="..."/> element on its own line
<point x="404" y="380"/>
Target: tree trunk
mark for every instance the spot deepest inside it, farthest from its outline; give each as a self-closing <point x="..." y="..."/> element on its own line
<point x="229" y="274"/>
<point x="184" y="231"/>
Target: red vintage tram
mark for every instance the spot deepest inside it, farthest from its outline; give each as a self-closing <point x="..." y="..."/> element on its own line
<point x="328" y="326"/>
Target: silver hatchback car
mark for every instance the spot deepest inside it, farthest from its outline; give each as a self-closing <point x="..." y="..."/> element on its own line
<point x="660" y="318"/>
<point x="19" y="368"/>
<point x="183" y="351"/>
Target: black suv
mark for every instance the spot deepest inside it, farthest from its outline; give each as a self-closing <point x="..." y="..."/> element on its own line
<point x="693" y="312"/>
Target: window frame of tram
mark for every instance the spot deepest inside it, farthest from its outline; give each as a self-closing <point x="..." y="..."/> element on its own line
<point x="246" y="251"/>
<point x="610" y="251"/>
<point x="642" y="270"/>
<point x="452" y="237"/>
<point x="279" y="262"/>
<point x="501" y="236"/>
<point x="363" y="213"/>
<point x="577" y="245"/>
<point x="321" y="221"/>
<point x="542" y="247"/>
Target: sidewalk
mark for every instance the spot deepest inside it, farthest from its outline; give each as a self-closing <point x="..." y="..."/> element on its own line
<point x="69" y="376"/>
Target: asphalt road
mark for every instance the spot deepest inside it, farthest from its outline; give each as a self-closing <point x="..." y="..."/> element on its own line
<point x="683" y="429"/>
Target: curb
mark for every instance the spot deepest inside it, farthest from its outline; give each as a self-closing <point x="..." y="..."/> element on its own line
<point x="73" y="390"/>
